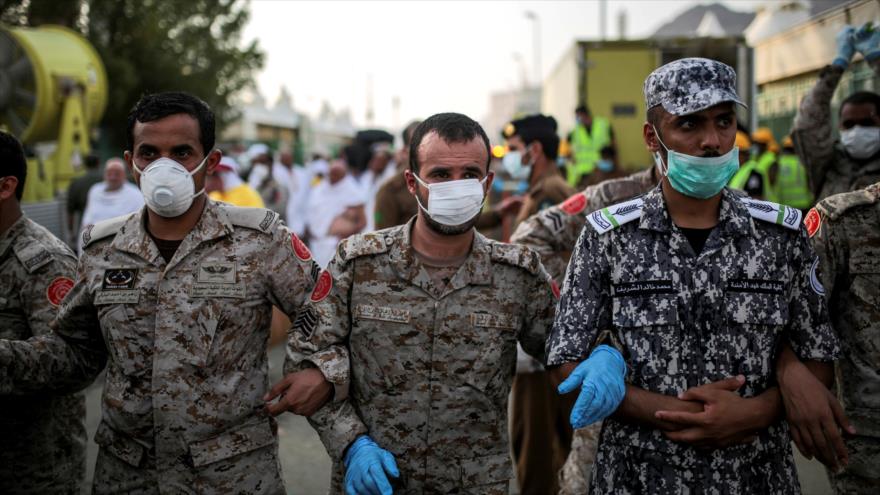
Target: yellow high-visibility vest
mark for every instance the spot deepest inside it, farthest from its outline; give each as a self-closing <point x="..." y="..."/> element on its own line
<point x="587" y="147"/>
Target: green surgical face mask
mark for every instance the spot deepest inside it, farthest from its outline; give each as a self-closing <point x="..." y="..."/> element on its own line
<point x="697" y="176"/>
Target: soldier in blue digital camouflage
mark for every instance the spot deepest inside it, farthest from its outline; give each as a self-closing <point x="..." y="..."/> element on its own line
<point x="699" y="288"/>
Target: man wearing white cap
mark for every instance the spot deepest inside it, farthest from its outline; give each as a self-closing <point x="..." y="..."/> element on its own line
<point x="225" y="185"/>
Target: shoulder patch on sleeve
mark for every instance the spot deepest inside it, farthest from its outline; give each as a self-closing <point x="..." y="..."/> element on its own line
<point x="766" y="211"/>
<point x="835" y="206"/>
<point x="516" y="255"/>
<point x="574" y="204"/>
<point x="813" y="221"/>
<point x="100" y="230"/>
<point x="362" y="245"/>
<point x="252" y="218"/>
<point x="607" y="219"/>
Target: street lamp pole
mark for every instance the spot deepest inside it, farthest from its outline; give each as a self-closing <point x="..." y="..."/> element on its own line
<point x="536" y="36"/>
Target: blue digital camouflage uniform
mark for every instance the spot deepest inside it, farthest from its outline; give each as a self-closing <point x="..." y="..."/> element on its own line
<point x="686" y="320"/>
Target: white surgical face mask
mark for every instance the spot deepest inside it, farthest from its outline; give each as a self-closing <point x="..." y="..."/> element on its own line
<point x="512" y="162"/>
<point x="861" y="142"/>
<point x="168" y="187"/>
<point x="453" y="202"/>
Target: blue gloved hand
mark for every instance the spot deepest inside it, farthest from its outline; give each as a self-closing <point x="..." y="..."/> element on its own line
<point x="845" y="48"/>
<point x="867" y="41"/>
<point x="600" y="378"/>
<point x="366" y="465"/>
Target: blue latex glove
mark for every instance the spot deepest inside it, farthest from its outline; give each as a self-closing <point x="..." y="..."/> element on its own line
<point x="845" y="48"/>
<point x="867" y="41"/>
<point x="600" y="378"/>
<point x="366" y="465"/>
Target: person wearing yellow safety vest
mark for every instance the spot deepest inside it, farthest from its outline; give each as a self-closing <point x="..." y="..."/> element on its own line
<point x="757" y="176"/>
<point x="589" y="136"/>
<point x="792" y="186"/>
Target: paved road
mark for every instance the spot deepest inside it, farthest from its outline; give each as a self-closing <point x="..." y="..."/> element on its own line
<point x="306" y="464"/>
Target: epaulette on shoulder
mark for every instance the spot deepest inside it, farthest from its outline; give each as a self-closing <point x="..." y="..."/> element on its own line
<point x="362" y="245"/>
<point x="767" y="211"/>
<point x="516" y="255"/>
<point x="103" y="229"/>
<point x="607" y="219"/>
<point x="251" y="218"/>
<point x="835" y="206"/>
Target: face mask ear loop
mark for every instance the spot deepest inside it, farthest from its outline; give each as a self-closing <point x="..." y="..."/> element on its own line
<point x="664" y="170"/>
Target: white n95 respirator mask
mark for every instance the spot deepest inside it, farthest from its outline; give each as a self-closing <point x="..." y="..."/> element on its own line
<point x="168" y="187"/>
<point x="453" y="202"/>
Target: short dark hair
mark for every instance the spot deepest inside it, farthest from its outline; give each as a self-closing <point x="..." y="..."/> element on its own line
<point x="452" y="128"/>
<point x="160" y="105"/>
<point x="582" y="109"/>
<point x="407" y="132"/>
<point x="12" y="161"/>
<point x="92" y="161"/>
<point x="860" y="98"/>
<point x="540" y="128"/>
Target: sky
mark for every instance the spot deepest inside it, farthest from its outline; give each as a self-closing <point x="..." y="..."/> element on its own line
<point x="431" y="56"/>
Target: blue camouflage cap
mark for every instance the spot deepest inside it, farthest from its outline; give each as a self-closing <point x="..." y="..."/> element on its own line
<point x="690" y="85"/>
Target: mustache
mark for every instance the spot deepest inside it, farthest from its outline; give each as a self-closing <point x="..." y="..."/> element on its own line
<point x="710" y="154"/>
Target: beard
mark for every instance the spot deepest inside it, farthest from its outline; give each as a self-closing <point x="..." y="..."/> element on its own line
<point x="443" y="229"/>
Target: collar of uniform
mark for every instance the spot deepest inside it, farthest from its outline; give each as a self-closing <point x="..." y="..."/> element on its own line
<point x="133" y="237"/>
<point x="733" y="216"/>
<point x="476" y="269"/>
<point x="11" y="234"/>
<point x="534" y="189"/>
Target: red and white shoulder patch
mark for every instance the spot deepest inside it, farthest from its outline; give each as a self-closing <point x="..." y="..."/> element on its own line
<point x="57" y="289"/>
<point x="574" y="204"/>
<point x="322" y="287"/>
<point x="299" y="248"/>
<point x="813" y="221"/>
<point x="555" y="288"/>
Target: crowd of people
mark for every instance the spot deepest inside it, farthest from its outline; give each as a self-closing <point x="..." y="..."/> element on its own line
<point x="660" y="332"/>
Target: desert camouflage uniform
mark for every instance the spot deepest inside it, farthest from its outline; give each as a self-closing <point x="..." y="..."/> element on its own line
<point x="685" y="320"/>
<point x="552" y="234"/>
<point x="186" y="342"/>
<point x="847" y="238"/>
<point x="44" y="435"/>
<point x="430" y="367"/>
<point x="829" y="167"/>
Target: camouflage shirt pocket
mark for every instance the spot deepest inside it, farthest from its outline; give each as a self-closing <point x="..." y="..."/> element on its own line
<point x="130" y="345"/>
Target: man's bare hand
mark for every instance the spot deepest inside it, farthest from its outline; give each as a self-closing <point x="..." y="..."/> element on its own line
<point x="303" y="393"/>
<point x="721" y="423"/>
<point x="814" y="415"/>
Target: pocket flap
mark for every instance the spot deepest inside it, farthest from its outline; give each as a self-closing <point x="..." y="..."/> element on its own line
<point x="495" y="320"/>
<point x="120" y="445"/>
<point x="644" y="311"/>
<point x="485" y="470"/>
<point x="756" y="308"/>
<point x="232" y="442"/>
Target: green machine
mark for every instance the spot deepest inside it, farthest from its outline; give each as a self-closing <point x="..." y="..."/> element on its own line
<point x="53" y="92"/>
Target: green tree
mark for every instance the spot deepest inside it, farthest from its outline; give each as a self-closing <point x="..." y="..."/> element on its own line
<point x="149" y="46"/>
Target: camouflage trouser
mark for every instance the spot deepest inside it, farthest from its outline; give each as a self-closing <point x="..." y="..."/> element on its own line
<point x="862" y="475"/>
<point x="574" y="478"/>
